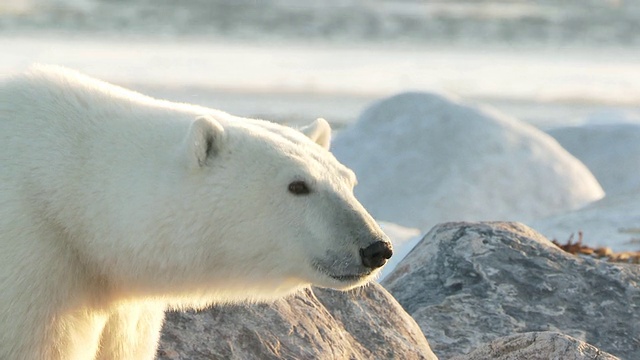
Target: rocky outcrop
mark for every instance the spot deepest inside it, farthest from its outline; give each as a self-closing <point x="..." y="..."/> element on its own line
<point x="537" y="346"/>
<point x="366" y="323"/>
<point x="470" y="283"/>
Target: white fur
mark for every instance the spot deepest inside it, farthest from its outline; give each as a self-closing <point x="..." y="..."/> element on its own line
<point x="115" y="206"/>
<point x="319" y="132"/>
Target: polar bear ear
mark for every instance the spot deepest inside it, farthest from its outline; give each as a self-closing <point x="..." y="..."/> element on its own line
<point x="203" y="140"/>
<point x="319" y="132"/>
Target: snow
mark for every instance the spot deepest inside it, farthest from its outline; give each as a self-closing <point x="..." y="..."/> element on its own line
<point x="611" y="151"/>
<point x="611" y="222"/>
<point x="424" y="158"/>
<point x="292" y="80"/>
<point x="609" y="144"/>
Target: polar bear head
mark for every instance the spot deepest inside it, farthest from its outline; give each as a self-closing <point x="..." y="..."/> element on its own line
<point x="265" y="209"/>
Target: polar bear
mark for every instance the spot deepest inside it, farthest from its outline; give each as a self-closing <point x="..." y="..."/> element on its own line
<point x="115" y="206"/>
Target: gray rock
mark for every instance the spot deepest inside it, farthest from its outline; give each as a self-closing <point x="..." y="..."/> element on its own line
<point x="470" y="283"/>
<point x="545" y="345"/>
<point x="366" y="323"/>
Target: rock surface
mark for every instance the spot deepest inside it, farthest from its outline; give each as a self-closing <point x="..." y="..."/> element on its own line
<point x="420" y="148"/>
<point x="537" y="346"/>
<point x="470" y="283"/>
<point x="366" y="323"/>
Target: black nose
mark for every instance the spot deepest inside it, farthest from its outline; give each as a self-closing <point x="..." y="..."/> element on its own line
<point x="376" y="254"/>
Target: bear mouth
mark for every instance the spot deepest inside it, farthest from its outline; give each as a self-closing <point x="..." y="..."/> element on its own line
<point x="350" y="277"/>
<point x="342" y="277"/>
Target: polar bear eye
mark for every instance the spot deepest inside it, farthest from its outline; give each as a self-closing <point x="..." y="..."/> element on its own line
<point x="299" y="188"/>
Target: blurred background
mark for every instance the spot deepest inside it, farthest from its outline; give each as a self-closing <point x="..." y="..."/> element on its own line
<point x="548" y="62"/>
<point x="559" y="65"/>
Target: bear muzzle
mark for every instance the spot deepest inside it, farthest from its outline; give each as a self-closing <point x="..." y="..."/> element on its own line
<point x="376" y="254"/>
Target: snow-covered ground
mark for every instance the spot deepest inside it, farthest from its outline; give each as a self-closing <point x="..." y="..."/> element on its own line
<point x="549" y="64"/>
<point x="293" y="80"/>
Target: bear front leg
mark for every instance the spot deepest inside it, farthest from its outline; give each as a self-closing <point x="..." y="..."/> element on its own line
<point x="132" y="332"/>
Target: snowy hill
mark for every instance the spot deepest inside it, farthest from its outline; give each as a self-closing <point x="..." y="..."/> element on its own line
<point x="609" y="144"/>
<point x="423" y="158"/>
<point x="611" y="152"/>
